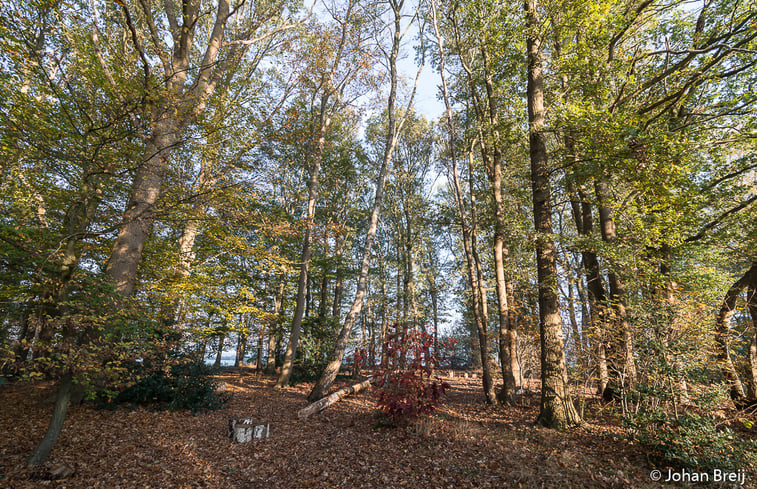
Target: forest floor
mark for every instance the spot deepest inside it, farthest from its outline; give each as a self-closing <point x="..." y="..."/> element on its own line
<point x="464" y="444"/>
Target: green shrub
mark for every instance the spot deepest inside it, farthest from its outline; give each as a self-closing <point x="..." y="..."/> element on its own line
<point x="691" y="441"/>
<point x="186" y="385"/>
<point x="316" y="342"/>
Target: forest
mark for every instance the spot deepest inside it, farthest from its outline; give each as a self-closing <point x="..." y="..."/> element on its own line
<point x="521" y="236"/>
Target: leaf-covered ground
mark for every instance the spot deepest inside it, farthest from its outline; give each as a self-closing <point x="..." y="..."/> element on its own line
<point x="465" y="444"/>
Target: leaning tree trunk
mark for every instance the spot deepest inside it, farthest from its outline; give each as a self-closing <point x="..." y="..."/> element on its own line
<point x="76" y="220"/>
<point x="557" y="409"/>
<point x="326" y="380"/>
<point x="752" y="306"/>
<point x="723" y="327"/>
<point x="137" y="218"/>
<point x="62" y="400"/>
<point x="323" y="403"/>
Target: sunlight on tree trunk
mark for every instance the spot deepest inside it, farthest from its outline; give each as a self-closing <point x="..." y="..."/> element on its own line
<point x="557" y="409"/>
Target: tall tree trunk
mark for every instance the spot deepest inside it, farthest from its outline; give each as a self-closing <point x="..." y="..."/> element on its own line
<point x="308" y="298"/>
<point x="473" y="275"/>
<point x="574" y="322"/>
<point x="407" y="271"/>
<point x="277" y="351"/>
<point x="585" y="314"/>
<point x="206" y="180"/>
<point x="384" y="306"/>
<point x="557" y="409"/>
<point x="328" y="376"/>
<point x="202" y="349"/>
<point x="219" y="353"/>
<point x="752" y="307"/>
<point x="371" y="333"/>
<point x="618" y="292"/>
<point x="307" y="247"/>
<point x="146" y="189"/>
<point x="507" y="333"/>
<point x="414" y="313"/>
<point x="434" y="294"/>
<point x="322" y="303"/>
<point x="259" y="356"/>
<point x="176" y="107"/>
<point x="512" y="321"/>
<point x="336" y="307"/>
<point x="584" y="219"/>
<point x="241" y="347"/>
<point x="479" y="287"/>
<point x="273" y="334"/>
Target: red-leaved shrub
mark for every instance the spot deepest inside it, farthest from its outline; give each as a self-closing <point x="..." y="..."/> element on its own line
<point x="405" y="386"/>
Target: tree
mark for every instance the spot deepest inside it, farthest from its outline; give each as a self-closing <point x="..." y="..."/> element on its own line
<point x="393" y="129"/>
<point x="337" y="70"/>
<point x="190" y="76"/>
<point x="557" y="409"/>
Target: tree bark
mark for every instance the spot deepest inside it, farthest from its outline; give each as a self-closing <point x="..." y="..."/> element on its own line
<point x="434" y="296"/>
<point x="336" y="307"/>
<point x="241" y="346"/>
<point x="752" y="307"/>
<point x="259" y="356"/>
<point x="574" y="322"/>
<point x="508" y="335"/>
<point x="273" y="334"/>
<point x="171" y="113"/>
<point x="219" y="353"/>
<point x="557" y="409"/>
<point x="242" y="342"/>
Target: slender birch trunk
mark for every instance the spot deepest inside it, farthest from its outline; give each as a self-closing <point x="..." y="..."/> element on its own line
<point x="328" y="376"/>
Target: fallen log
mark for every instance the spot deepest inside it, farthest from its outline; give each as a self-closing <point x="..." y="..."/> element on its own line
<point x="327" y="401"/>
